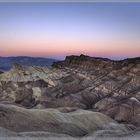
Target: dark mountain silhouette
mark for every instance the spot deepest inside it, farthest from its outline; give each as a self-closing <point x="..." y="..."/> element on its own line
<point x="7" y="62"/>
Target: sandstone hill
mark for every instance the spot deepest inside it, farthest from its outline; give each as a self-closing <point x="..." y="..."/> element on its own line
<point x="76" y="85"/>
<point x="73" y="123"/>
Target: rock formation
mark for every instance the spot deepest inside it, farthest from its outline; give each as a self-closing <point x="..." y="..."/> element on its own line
<point x="74" y="123"/>
<point x="78" y="83"/>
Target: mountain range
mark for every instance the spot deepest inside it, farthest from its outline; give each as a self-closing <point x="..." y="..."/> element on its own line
<point x="7" y="62"/>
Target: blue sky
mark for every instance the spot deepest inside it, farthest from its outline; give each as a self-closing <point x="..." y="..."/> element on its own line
<point x="59" y="29"/>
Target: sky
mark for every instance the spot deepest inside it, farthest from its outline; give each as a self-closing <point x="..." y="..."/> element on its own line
<point x="56" y="30"/>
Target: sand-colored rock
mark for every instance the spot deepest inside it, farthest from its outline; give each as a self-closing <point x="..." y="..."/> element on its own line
<point x="98" y="84"/>
<point x="75" y="123"/>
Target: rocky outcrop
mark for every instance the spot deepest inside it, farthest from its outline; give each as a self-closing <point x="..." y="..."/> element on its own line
<point x="88" y="62"/>
<point x="74" y="123"/>
<point x="104" y="134"/>
<point x="83" y="61"/>
<point x="1" y="72"/>
<point x="95" y="84"/>
<point x="110" y="87"/>
<point x="122" y="110"/>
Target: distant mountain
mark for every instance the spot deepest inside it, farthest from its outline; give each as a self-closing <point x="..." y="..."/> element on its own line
<point x="7" y="62"/>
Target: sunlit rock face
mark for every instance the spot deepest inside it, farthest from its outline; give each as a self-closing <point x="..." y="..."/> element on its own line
<point x="79" y="82"/>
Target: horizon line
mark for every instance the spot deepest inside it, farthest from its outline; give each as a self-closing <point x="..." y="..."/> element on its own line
<point x="68" y="55"/>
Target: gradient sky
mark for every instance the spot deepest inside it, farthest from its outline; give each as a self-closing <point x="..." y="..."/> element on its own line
<point x="58" y="29"/>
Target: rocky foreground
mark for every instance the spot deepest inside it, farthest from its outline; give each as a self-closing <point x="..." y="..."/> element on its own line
<point x="79" y="98"/>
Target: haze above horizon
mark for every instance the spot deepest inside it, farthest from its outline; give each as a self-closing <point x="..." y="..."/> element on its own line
<point x="55" y="30"/>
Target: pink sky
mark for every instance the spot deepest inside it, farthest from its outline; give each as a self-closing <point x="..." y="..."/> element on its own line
<point x="55" y="30"/>
<point x="57" y="48"/>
